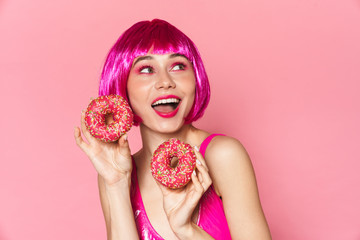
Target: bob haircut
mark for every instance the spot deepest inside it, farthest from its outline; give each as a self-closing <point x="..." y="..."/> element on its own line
<point x="163" y="38"/>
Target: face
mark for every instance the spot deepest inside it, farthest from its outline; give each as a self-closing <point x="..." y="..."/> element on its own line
<point x="161" y="90"/>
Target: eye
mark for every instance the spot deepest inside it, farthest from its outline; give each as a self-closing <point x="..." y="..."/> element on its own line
<point x="179" y="66"/>
<point x="146" y="69"/>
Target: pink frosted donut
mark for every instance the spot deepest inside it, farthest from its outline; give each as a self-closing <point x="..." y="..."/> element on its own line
<point x="96" y="113"/>
<point x="160" y="163"/>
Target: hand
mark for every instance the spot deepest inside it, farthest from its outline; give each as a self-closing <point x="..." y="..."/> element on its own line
<point x="179" y="204"/>
<point x="111" y="160"/>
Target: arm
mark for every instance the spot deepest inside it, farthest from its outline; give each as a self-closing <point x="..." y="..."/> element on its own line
<point x="105" y="205"/>
<point x="113" y="163"/>
<point x="193" y="232"/>
<point x="117" y="209"/>
<point x="234" y="179"/>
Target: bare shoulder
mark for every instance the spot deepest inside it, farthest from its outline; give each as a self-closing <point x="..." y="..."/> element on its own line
<point x="225" y="145"/>
<point x="234" y="180"/>
<point x="224" y="151"/>
<point x="227" y="159"/>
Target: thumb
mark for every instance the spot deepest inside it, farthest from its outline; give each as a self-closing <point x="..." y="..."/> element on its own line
<point x="123" y="141"/>
<point x="165" y="190"/>
<point x="124" y="145"/>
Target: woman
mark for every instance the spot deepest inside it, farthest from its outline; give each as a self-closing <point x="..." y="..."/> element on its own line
<point x="159" y="71"/>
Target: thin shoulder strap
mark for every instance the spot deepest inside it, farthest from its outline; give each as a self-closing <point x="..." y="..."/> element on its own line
<point x="206" y="142"/>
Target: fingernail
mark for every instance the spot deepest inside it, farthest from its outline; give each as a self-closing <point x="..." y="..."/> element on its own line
<point x="125" y="137"/>
<point x="194" y="172"/>
<point x="196" y="148"/>
<point x="198" y="162"/>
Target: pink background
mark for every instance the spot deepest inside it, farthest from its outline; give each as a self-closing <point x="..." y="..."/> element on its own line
<point x="285" y="82"/>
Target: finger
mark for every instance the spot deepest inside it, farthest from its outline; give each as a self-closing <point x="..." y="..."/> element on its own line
<point x="124" y="148"/>
<point x="199" y="158"/>
<point x="79" y="141"/>
<point x="200" y="177"/>
<point x="165" y="190"/>
<point x="204" y="176"/>
<point x="123" y="141"/>
<point x="196" y="183"/>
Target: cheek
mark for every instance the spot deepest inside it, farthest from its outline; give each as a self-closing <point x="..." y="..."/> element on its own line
<point x="135" y="93"/>
<point x="192" y="99"/>
<point x="191" y="90"/>
<point x="192" y="87"/>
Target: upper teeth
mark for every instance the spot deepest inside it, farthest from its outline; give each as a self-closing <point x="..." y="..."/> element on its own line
<point x="164" y="101"/>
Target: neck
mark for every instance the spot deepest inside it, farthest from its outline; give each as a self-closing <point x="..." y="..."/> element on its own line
<point x="151" y="139"/>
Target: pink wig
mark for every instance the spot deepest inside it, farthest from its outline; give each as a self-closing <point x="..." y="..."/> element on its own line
<point x="164" y="38"/>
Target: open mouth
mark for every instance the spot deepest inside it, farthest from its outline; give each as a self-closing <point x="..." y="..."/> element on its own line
<point x="166" y="107"/>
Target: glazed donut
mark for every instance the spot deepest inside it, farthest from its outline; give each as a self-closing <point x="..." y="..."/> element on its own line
<point x="160" y="163"/>
<point x="95" y="117"/>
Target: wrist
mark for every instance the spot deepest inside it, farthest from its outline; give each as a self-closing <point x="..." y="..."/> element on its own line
<point x="186" y="231"/>
<point x="122" y="184"/>
<point x="192" y="231"/>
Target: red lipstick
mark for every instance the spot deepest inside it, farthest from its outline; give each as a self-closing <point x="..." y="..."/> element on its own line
<point x="170" y="113"/>
<point x="165" y="97"/>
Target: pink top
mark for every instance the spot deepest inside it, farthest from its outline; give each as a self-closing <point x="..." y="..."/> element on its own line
<point x="211" y="212"/>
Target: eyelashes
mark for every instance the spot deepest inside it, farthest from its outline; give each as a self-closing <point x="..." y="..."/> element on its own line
<point x="148" y="69"/>
<point x="179" y="66"/>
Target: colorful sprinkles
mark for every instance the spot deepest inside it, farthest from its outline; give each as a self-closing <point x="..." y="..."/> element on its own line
<point x="160" y="163"/>
<point x="99" y="108"/>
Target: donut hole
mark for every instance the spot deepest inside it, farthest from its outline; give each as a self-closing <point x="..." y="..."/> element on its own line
<point x="109" y="118"/>
<point x="174" y="162"/>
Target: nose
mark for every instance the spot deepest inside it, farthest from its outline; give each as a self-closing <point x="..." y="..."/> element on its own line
<point x="165" y="81"/>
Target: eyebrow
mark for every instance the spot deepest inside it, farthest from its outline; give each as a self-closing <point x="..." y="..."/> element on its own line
<point x="142" y="58"/>
<point x="174" y="55"/>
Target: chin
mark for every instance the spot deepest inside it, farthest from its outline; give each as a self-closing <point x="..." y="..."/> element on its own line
<point x="170" y="127"/>
<point x="165" y="126"/>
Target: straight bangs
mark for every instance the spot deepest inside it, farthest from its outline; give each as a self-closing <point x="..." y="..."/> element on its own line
<point x="161" y="39"/>
<point x="155" y="37"/>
